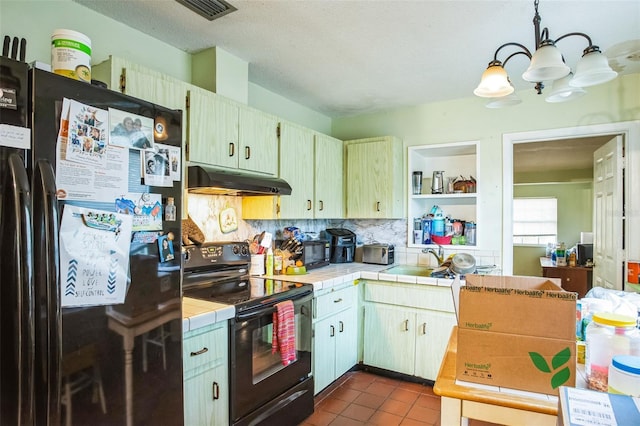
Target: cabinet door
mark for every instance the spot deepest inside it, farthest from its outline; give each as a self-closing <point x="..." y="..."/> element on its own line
<point x="206" y="375"/>
<point x="389" y="339"/>
<point x="346" y="323"/>
<point x="329" y="172"/>
<point x="432" y="333"/>
<point x="206" y="398"/>
<point x="324" y="348"/>
<point x="258" y="142"/>
<point x="213" y="129"/>
<point x="374" y="179"/>
<point x="296" y="155"/>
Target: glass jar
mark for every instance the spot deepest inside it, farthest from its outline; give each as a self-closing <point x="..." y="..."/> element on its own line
<point x="608" y="335"/>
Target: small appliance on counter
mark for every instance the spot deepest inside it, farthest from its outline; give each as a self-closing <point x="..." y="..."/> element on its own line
<point x="312" y="253"/>
<point x="342" y="243"/>
<point x="378" y="253"/>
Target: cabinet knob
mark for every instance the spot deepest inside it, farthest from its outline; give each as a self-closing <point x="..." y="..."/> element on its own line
<point x="424" y="328"/>
<point x="247" y="152"/>
<point x="338" y="300"/>
<point x="378" y="206"/>
<point x="232" y="149"/>
<point x="332" y="331"/>
<point x="341" y="328"/>
<point x="406" y="325"/>
<point x="308" y="204"/>
<point x="321" y="205"/>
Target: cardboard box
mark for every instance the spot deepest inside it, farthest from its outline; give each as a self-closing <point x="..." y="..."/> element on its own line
<point x="578" y="407"/>
<point x="516" y="332"/>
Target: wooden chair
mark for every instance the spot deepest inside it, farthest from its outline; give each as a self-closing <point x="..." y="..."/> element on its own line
<point x="156" y="337"/>
<point x="80" y="370"/>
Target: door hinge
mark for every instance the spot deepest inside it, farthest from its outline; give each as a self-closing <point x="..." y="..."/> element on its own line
<point x="123" y="81"/>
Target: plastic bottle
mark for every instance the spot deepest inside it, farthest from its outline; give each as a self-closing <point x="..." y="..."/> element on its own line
<point x="270" y="261"/>
<point x="607" y="335"/>
<point x="277" y="263"/>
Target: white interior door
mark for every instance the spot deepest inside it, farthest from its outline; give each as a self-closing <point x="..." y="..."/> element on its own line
<point x="607" y="214"/>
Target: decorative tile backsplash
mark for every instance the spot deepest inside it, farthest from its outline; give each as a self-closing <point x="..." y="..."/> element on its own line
<point x="205" y="211"/>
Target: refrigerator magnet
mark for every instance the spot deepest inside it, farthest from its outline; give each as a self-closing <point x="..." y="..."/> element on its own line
<point x="165" y="248"/>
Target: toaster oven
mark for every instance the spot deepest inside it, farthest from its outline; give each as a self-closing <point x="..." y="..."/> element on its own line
<point x="379" y="254"/>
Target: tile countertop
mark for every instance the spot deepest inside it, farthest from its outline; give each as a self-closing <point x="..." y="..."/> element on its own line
<point x="198" y="313"/>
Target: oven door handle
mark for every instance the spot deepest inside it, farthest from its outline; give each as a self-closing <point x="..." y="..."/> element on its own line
<point x="271" y="307"/>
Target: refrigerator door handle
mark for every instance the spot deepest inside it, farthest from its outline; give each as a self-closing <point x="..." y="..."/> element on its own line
<point x="47" y="295"/>
<point x="17" y="310"/>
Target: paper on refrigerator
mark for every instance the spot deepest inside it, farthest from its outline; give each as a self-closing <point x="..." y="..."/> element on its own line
<point x="94" y="256"/>
<point x="97" y="174"/>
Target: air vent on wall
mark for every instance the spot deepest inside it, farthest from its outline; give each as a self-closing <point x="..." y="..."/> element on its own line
<point x="210" y="9"/>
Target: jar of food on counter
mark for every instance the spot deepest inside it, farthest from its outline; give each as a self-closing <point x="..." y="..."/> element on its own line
<point x="608" y="335"/>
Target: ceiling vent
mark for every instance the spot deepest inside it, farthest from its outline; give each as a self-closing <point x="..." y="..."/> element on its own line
<point x="209" y="9"/>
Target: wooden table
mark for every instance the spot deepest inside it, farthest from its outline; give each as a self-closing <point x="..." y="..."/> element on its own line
<point x="129" y="328"/>
<point x="460" y="403"/>
<point x="573" y="278"/>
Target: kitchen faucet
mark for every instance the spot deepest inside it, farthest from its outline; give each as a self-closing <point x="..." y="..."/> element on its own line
<point x="439" y="255"/>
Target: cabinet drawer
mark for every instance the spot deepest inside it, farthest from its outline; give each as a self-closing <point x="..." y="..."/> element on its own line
<point x="407" y="295"/>
<point x="334" y="301"/>
<point x="206" y="345"/>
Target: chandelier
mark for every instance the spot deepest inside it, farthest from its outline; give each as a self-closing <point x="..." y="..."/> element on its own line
<point x="546" y="64"/>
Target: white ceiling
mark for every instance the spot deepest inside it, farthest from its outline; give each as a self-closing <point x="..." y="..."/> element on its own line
<point x="343" y="58"/>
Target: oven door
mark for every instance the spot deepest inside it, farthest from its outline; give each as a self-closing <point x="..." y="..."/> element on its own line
<point x="258" y="376"/>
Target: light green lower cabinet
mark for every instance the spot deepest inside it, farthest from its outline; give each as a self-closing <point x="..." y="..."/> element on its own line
<point x="206" y="383"/>
<point x="402" y="338"/>
<point x="335" y="331"/>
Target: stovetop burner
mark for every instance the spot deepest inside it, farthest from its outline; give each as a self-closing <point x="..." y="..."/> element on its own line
<point x="218" y="272"/>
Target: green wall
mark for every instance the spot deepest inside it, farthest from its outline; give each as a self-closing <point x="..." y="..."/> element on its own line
<point x="468" y="120"/>
<point x="36" y="20"/>
<point x="575" y="214"/>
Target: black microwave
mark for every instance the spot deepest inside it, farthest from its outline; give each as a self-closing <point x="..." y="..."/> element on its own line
<point x="315" y="253"/>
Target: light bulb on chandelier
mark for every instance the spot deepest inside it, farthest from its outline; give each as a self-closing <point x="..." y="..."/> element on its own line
<point x="546" y="64"/>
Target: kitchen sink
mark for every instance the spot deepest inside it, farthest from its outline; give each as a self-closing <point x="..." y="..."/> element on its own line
<point x="418" y="271"/>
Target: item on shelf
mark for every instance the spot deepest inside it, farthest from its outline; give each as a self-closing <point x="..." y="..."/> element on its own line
<point x="441" y="239"/>
<point x="470" y="233"/>
<point x="437" y="182"/>
<point x="417" y="183"/>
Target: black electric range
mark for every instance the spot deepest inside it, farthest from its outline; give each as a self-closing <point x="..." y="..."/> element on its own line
<point x="219" y="272"/>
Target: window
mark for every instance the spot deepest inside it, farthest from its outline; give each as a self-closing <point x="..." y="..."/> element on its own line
<point x="535" y="221"/>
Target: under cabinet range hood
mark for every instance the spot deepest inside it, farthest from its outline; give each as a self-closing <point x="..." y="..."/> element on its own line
<point x="210" y="181"/>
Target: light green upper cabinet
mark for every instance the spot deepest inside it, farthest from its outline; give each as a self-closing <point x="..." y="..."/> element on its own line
<point x="223" y="133"/>
<point x="143" y="83"/>
<point x="374" y="178"/>
<point x="329" y="172"/>
<point x="258" y="141"/>
<point x="312" y="163"/>
<point x="296" y="156"/>
<point x="213" y="129"/>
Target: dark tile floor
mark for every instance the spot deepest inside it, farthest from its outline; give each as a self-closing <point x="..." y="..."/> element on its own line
<point x="363" y="398"/>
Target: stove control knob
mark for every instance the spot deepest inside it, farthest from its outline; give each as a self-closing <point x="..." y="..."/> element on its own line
<point x="244" y="250"/>
<point x="235" y="250"/>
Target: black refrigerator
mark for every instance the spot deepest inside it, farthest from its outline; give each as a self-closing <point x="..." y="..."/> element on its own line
<point x="93" y="359"/>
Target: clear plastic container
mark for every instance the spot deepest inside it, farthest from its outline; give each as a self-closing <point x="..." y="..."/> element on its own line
<point x="607" y="335"/>
<point x="624" y="375"/>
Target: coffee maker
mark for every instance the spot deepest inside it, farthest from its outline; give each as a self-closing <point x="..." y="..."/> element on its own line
<point x="342" y="245"/>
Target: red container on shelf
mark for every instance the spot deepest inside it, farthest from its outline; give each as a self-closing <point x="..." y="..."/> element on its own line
<point x="443" y="240"/>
